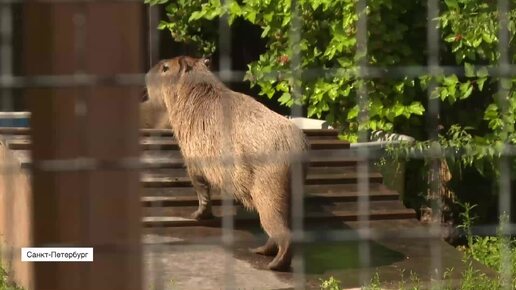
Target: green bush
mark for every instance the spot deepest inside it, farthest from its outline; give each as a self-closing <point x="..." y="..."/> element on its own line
<point x="476" y="120"/>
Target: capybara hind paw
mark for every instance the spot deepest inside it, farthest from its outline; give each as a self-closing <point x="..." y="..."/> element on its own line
<point x="266" y="250"/>
<point x="279" y="266"/>
<point x="202" y="214"/>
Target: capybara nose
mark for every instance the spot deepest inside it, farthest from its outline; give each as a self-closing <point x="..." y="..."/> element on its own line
<point x="144" y="96"/>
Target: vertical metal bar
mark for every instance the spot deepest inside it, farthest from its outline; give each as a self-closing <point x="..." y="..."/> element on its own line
<point x="81" y="113"/>
<point x="363" y="152"/>
<point x="297" y="190"/>
<point x="229" y="162"/>
<point x="156" y="264"/>
<point x="432" y="123"/>
<point x="154" y="37"/>
<point x="504" y="166"/>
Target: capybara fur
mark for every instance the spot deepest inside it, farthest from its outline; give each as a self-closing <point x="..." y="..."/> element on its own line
<point x="233" y="144"/>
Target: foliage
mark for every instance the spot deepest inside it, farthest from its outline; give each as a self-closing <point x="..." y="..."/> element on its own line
<point x="492" y="251"/>
<point x="5" y="284"/>
<point x="478" y="119"/>
<point x="328" y="50"/>
<point x="330" y="284"/>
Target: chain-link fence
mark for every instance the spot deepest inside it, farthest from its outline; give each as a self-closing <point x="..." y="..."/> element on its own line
<point x="76" y="177"/>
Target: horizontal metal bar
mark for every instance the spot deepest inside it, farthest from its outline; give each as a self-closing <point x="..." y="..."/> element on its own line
<point x="75" y="80"/>
<point x="394" y="72"/>
<point x="337" y="235"/>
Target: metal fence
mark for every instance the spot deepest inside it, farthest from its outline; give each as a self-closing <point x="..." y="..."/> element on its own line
<point x="89" y="203"/>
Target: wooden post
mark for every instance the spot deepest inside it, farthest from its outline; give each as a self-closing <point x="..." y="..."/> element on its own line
<point x="98" y="208"/>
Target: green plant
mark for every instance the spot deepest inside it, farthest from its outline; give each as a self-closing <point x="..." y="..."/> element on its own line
<point x="330" y="284"/>
<point x="487" y="250"/>
<point x="328" y="49"/>
<point x="478" y="121"/>
<point x="374" y="284"/>
<point x="4" y="282"/>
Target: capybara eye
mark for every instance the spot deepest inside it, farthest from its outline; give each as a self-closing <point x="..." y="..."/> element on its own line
<point x="164" y="67"/>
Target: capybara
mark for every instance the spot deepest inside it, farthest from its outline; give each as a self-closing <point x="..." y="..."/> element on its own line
<point x="225" y="138"/>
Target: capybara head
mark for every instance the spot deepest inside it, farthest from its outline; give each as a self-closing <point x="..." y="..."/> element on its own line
<point x="164" y="78"/>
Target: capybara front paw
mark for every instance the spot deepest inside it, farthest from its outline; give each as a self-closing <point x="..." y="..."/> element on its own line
<point x="201" y="214"/>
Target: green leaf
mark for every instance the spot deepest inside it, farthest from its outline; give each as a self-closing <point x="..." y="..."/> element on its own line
<point x="469" y="70"/>
<point x="251" y="16"/>
<point x="285" y="98"/>
<point x="417" y="108"/>
<point x="468" y="92"/>
<point x="452" y="4"/>
<point x="480" y="83"/>
<point x="444" y="93"/>
<point x="353" y="113"/>
<point x="451" y="80"/>
<point x="482" y="72"/>
<point x="162" y="25"/>
<point x="265" y="31"/>
<point x="491" y="112"/>
<point x="398" y="109"/>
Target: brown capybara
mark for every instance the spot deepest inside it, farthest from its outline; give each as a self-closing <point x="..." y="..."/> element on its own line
<point x="232" y="143"/>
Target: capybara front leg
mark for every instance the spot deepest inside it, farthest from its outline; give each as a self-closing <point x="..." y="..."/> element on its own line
<point x="269" y="249"/>
<point x="202" y="189"/>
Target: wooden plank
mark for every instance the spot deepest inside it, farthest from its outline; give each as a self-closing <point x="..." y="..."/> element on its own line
<point x="99" y="209"/>
<point x="156" y="180"/>
<point x="350" y="190"/>
<point x="310" y="197"/>
<point x="179" y="216"/>
<point x="329" y="170"/>
<point x="310" y="209"/>
<point x="173" y="159"/>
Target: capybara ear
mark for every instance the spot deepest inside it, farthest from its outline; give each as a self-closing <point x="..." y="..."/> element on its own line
<point x="184" y="65"/>
<point x="206" y="61"/>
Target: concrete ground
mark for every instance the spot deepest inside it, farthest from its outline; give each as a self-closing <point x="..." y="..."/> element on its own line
<point x="194" y="258"/>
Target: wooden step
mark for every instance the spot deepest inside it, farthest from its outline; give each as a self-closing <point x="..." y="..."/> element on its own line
<point x="14" y="131"/>
<point x="318" y="158"/>
<point x="172" y="159"/>
<point x="160" y="180"/>
<point x="180" y="216"/>
<point x="21" y="142"/>
<point x="313" y="194"/>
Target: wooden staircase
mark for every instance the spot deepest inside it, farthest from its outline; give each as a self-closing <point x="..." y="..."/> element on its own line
<point x="331" y="188"/>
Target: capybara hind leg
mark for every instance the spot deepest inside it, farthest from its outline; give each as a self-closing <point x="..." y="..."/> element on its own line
<point x="202" y="189"/>
<point x="284" y="256"/>
<point x="275" y="224"/>
<point x="269" y="249"/>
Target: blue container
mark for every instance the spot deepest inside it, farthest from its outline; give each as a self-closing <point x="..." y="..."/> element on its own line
<point x="14" y="119"/>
